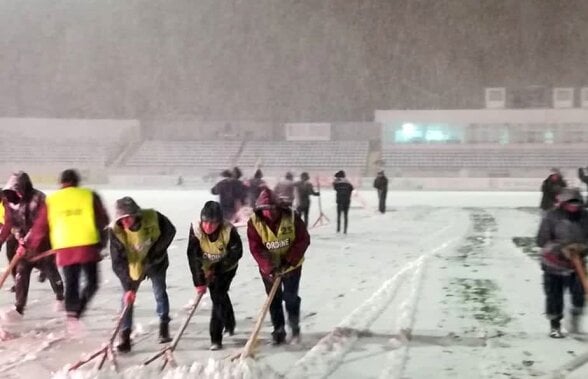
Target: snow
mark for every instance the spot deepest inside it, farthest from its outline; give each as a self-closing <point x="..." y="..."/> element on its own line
<point x="433" y="288"/>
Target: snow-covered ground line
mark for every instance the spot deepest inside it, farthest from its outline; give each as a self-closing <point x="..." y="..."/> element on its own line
<point x="433" y="288"/>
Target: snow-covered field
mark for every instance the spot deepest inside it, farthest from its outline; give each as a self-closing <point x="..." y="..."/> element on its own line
<point x="435" y="288"/>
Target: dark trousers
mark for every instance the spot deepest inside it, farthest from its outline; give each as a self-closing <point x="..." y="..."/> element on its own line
<point x="554" y="287"/>
<point x="288" y="293"/>
<point x="342" y="209"/>
<point x="222" y="316"/>
<point x="303" y="211"/>
<point x="382" y="201"/>
<point x="23" y="279"/>
<point x="11" y="246"/>
<point x="161" y="300"/>
<point x="76" y="298"/>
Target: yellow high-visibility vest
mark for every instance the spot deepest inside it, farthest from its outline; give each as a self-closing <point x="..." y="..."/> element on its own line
<point x="213" y="252"/>
<point x="277" y="244"/>
<point x="1" y="213"/>
<point x="70" y="212"/>
<point x="137" y="243"/>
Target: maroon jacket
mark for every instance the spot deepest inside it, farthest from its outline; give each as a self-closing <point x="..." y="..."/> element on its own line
<point x="262" y="255"/>
<point x="71" y="255"/>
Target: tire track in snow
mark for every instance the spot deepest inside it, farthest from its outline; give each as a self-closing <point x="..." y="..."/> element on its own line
<point x="329" y="352"/>
<point x="404" y="324"/>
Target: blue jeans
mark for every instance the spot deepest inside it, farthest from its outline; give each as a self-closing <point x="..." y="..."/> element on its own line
<point x="160" y="292"/>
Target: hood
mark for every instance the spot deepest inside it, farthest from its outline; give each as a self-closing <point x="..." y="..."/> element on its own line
<point x="19" y="182"/>
<point x="266" y="199"/>
<point x="126" y="206"/>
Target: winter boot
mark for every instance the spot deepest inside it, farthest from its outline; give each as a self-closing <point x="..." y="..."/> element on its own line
<point x="555" y="329"/>
<point x="164" y="332"/>
<point x="216" y="346"/>
<point x="278" y="336"/>
<point x="124" y="344"/>
<point x="295" y="328"/>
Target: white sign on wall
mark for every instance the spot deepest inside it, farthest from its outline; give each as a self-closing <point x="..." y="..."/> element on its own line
<point x="308" y="131"/>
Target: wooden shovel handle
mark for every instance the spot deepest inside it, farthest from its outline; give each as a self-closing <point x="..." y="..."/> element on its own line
<point x="9" y="269"/>
<point x="580" y="271"/>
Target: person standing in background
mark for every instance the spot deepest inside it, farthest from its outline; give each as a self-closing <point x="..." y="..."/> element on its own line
<point x="284" y="190"/>
<point x="304" y="189"/>
<point x="381" y="185"/>
<point x="343" y="190"/>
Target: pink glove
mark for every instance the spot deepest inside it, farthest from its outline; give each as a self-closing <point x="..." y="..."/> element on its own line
<point x="130" y="297"/>
<point x="200" y="290"/>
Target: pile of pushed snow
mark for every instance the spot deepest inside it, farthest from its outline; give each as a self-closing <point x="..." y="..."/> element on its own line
<point x="214" y="369"/>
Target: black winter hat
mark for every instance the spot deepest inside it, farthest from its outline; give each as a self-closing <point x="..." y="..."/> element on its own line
<point x="211" y="212"/>
<point x="340" y="174"/>
<point x="70" y="176"/>
<point x="258" y="174"/>
<point x="304" y="176"/>
<point x="289" y="176"/>
<point x="126" y="206"/>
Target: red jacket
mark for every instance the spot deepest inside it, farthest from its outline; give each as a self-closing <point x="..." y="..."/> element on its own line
<point x="262" y="255"/>
<point x="71" y="255"/>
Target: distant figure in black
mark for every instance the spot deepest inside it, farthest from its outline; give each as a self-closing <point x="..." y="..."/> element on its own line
<point x="381" y="185"/>
<point x="343" y="190"/>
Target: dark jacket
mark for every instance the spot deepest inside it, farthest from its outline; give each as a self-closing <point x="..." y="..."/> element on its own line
<point x="21" y="214"/>
<point x="558" y="229"/>
<point x="343" y="190"/>
<point x="195" y="255"/>
<point x="155" y="261"/>
<point x="284" y="191"/>
<point x="229" y="191"/>
<point x="381" y="183"/>
<point x="71" y="255"/>
<point x="261" y="254"/>
<point x="255" y="187"/>
<point x="550" y="189"/>
<point x="304" y="189"/>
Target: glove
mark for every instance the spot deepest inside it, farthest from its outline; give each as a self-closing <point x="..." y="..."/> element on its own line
<point x="21" y="251"/>
<point x="129" y="297"/>
<point x="200" y="290"/>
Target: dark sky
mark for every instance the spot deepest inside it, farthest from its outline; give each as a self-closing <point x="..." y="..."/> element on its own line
<point x="279" y="60"/>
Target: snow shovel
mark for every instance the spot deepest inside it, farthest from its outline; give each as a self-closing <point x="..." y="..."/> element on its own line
<point x="9" y="269"/>
<point x="106" y="351"/>
<point x="574" y="253"/>
<point x="45" y="254"/>
<point x="250" y="345"/>
<point x="167" y="352"/>
<point x="322" y="218"/>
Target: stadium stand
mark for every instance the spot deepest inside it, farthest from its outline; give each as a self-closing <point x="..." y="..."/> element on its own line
<point x="484" y="156"/>
<point x="306" y="154"/>
<point x="185" y="154"/>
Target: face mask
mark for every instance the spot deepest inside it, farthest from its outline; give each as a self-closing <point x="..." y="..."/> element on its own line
<point x="268" y="214"/>
<point x="209" y="227"/>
